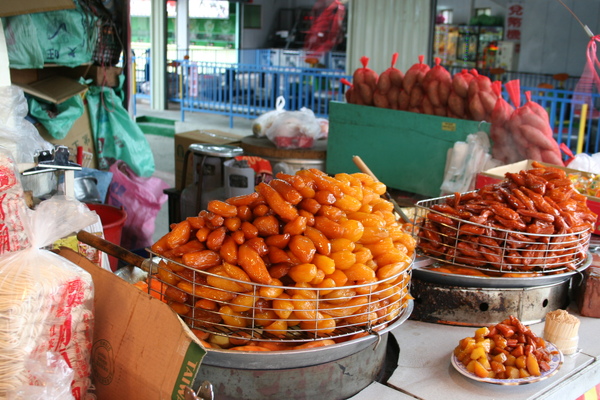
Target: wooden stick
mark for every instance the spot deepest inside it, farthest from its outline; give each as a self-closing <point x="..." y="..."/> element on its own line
<point x="365" y="169"/>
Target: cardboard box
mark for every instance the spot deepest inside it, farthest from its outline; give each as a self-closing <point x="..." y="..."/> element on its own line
<point x="54" y="89"/>
<point x="28" y="76"/>
<point x="8" y="8"/>
<point x="80" y="134"/>
<point x="141" y="348"/>
<point x="56" y="84"/>
<point x="182" y="143"/>
<point x="405" y="150"/>
<point x="495" y="175"/>
<point x="104" y="76"/>
<point x="52" y="83"/>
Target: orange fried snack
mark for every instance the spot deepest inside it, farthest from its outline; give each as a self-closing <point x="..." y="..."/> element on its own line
<point x="281" y="257"/>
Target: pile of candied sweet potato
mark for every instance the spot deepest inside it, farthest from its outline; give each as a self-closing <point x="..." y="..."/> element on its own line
<point x="307" y="252"/>
<point x="535" y="220"/>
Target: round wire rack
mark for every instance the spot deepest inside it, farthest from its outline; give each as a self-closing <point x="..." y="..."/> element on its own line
<point x="216" y="303"/>
<point x="450" y="239"/>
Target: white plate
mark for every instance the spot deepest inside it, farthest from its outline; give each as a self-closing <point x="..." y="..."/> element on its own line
<point x="555" y="363"/>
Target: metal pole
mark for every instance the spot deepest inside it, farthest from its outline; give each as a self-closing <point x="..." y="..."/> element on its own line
<point x="158" y="55"/>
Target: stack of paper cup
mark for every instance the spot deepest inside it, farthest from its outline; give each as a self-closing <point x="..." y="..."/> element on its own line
<point x="561" y="329"/>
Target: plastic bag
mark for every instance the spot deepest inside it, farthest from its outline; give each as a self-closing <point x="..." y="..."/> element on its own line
<point x="52" y="369"/>
<point x="141" y="198"/>
<point x="18" y="135"/>
<point x="504" y="148"/>
<point x="324" y="124"/>
<point x="116" y="135"/>
<point x="294" y="129"/>
<point x="589" y="77"/>
<point x="364" y="82"/>
<point x="58" y="119"/>
<point x="466" y="161"/>
<point x="18" y="31"/>
<point x="585" y="162"/>
<point x="263" y="122"/>
<point x="64" y="37"/>
<point x="389" y="86"/>
<point x="12" y="206"/>
<point x="530" y="129"/>
<point x="458" y="104"/>
<point x="46" y="305"/>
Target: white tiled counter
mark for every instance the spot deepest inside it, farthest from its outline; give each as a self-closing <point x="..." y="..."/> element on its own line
<point x="425" y="372"/>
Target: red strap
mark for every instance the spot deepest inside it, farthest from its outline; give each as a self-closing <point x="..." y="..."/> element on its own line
<point x="565" y="149"/>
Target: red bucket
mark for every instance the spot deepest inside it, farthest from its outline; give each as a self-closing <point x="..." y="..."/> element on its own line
<point x="112" y="219"/>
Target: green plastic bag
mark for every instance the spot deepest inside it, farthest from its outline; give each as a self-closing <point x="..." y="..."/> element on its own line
<point x="19" y="31"/>
<point x="64" y="37"/>
<point x="116" y="135"/>
<point x="58" y="119"/>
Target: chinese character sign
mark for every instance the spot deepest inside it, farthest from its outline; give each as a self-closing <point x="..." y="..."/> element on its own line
<point x="514" y="20"/>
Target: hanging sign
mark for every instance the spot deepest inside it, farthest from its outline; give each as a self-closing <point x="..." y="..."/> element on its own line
<point x="514" y="20"/>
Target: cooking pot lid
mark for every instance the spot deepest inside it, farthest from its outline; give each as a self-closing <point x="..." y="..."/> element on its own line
<point x="216" y="150"/>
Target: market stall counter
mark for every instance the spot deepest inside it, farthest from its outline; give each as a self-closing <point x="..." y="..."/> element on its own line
<point x="425" y="371"/>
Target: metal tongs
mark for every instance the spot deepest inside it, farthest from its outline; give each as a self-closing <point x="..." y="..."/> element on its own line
<point x="48" y="161"/>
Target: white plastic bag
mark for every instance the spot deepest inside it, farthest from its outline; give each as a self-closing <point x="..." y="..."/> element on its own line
<point x="52" y="376"/>
<point x="466" y="161"/>
<point x="294" y="129"/>
<point x="13" y="208"/>
<point x="17" y="134"/>
<point x="585" y="162"/>
<point x="46" y="305"/>
<point x="264" y="121"/>
<point x="324" y="124"/>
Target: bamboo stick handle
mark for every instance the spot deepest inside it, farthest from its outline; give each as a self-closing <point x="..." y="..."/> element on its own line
<point x="110" y="248"/>
<point x="363" y="167"/>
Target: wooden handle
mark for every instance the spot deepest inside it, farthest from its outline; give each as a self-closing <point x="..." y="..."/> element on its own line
<point x="363" y="167"/>
<point x="110" y="248"/>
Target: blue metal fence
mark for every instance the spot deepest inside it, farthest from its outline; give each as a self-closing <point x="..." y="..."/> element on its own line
<point x="527" y="79"/>
<point x="240" y="90"/>
<point x="564" y="110"/>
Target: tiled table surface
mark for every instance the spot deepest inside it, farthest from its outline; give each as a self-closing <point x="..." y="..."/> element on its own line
<point x="424" y="370"/>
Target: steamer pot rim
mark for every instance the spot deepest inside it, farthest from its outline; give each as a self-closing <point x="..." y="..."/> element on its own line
<point x="442" y="278"/>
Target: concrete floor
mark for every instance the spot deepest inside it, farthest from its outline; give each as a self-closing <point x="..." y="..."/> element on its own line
<point x="163" y="147"/>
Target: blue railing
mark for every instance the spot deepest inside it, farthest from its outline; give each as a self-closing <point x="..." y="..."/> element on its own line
<point x="240" y="90"/>
<point x="564" y="110"/>
<point x="296" y="58"/>
<point x="527" y="79"/>
<point x="281" y="66"/>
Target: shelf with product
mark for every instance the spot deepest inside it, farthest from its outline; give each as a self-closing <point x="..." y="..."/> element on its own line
<point x="474" y="44"/>
<point x="469" y="46"/>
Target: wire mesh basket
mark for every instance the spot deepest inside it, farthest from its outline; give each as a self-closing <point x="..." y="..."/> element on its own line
<point x="216" y="303"/>
<point x="448" y="238"/>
